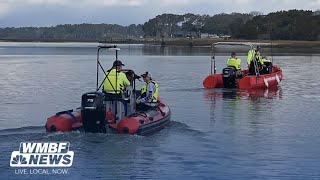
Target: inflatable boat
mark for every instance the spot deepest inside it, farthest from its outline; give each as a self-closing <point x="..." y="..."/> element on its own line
<point x="101" y="112"/>
<point x="227" y="79"/>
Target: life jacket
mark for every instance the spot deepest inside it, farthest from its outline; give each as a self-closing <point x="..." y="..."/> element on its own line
<point x="115" y="82"/>
<point x="234" y="62"/>
<point x="155" y="94"/>
<point x="265" y="60"/>
<point x="143" y="90"/>
<point x="253" y="54"/>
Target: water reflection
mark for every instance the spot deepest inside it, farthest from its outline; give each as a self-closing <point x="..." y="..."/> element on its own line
<point x="254" y="94"/>
<point x="136" y="49"/>
<point x="236" y="105"/>
<point x="175" y="51"/>
<point x="114" y="156"/>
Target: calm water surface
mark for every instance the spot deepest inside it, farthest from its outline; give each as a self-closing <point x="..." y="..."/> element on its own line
<point x="215" y="134"/>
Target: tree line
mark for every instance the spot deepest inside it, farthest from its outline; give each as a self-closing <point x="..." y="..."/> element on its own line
<point x="281" y="25"/>
<point x="172" y="25"/>
<point x="86" y="32"/>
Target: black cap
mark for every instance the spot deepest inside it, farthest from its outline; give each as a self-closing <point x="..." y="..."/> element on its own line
<point x="233" y="54"/>
<point x="117" y="63"/>
<point x="146" y="74"/>
<point x="258" y="47"/>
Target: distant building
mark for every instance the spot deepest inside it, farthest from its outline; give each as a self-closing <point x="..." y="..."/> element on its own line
<point x="225" y="36"/>
<point x="204" y="35"/>
<point x="186" y="34"/>
<point x="192" y="34"/>
<point x="178" y="34"/>
<point x="214" y="36"/>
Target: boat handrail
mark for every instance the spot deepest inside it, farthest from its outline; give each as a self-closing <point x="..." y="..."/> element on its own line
<point x="107" y="46"/>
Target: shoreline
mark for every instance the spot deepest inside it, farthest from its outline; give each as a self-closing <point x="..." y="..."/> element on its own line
<point x="181" y="42"/>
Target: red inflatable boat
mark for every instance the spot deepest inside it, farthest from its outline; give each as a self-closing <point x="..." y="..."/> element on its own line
<point x="100" y="111"/>
<point x="247" y="82"/>
<point x="140" y="123"/>
<point x="227" y="78"/>
<point x="64" y="121"/>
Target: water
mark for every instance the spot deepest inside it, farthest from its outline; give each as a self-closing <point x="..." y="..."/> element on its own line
<point x="214" y="134"/>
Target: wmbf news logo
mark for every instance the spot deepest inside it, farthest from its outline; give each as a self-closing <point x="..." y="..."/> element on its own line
<point x="39" y="154"/>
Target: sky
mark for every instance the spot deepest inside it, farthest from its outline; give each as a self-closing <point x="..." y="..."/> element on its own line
<point x="26" y="13"/>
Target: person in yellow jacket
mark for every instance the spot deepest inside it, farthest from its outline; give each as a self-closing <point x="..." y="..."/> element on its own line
<point x="235" y="62"/>
<point x="254" y="54"/>
<point x="265" y="60"/>
<point x="149" y="93"/>
<point x="116" y="81"/>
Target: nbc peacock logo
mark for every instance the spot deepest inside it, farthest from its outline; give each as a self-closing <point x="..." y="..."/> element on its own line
<point x="19" y="159"/>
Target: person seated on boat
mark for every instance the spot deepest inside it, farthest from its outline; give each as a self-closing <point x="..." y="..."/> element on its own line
<point x="149" y="93"/>
<point x="235" y="62"/>
<point x="116" y="81"/>
<point x="130" y="75"/>
<point x="267" y="66"/>
<point x="254" y="56"/>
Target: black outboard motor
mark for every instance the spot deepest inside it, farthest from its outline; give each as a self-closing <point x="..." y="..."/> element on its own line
<point x="229" y="77"/>
<point x="267" y="69"/>
<point x="93" y="112"/>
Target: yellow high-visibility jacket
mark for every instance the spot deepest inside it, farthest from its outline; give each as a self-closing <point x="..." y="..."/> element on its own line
<point x="115" y="82"/>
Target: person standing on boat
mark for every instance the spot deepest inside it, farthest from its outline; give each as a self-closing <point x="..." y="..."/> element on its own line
<point x="254" y="55"/>
<point x="116" y="81"/>
<point x="149" y="93"/>
<point x="235" y="62"/>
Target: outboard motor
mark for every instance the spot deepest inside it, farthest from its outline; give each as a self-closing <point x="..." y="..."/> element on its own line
<point x="229" y="77"/>
<point x="267" y="69"/>
<point x="93" y="112"/>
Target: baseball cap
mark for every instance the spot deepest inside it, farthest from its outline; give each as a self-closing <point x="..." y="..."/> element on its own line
<point x="117" y="63"/>
<point x="146" y="74"/>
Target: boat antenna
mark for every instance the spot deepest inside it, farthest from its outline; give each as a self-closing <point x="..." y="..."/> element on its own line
<point x="271" y="41"/>
<point x="211" y="57"/>
<point x="117" y="93"/>
<point x="213" y="60"/>
<point x="98" y="62"/>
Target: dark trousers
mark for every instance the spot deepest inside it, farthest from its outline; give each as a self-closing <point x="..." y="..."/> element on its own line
<point x="252" y="68"/>
<point x="143" y="107"/>
<point x="112" y="97"/>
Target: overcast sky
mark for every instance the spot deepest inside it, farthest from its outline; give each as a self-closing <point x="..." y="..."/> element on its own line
<point x="17" y="13"/>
